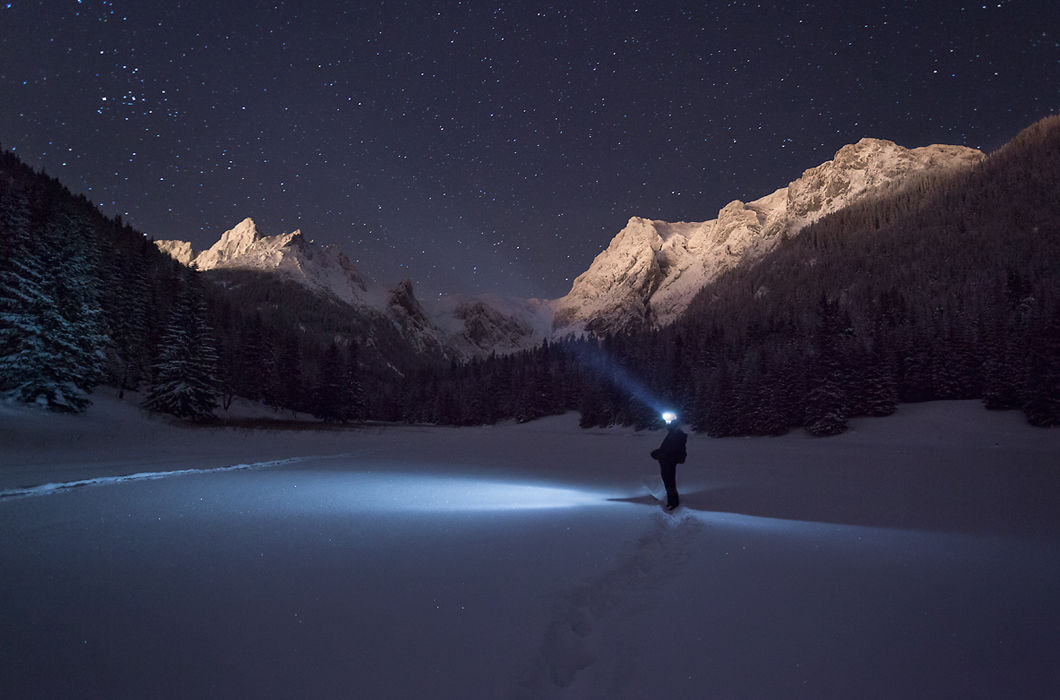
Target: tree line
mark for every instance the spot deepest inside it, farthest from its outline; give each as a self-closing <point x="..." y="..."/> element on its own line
<point x="87" y="300"/>
<point x="944" y="286"/>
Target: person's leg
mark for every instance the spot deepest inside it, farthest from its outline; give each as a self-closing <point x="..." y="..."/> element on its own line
<point x="669" y="477"/>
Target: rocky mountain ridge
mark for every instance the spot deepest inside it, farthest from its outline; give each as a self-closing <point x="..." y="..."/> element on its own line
<point x="652" y="269"/>
<point x="243" y="247"/>
<point x="645" y="278"/>
<point x="459" y="327"/>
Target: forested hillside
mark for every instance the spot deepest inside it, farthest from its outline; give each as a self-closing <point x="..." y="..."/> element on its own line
<point x="85" y="300"/>
<point x="948" y="287"/>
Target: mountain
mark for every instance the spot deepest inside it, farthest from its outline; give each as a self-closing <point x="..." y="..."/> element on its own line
<point x="936" y="280"/>
<point x="458" y="328"/>
<point x="944" y="286"/>
<point x="243" y="248"/>
<point x="646" y="277"/>
<point x="651" y="270"/>
<point x="486" y="323"/>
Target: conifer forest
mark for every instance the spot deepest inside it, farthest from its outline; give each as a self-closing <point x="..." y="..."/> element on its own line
<point x="947" y="287"/>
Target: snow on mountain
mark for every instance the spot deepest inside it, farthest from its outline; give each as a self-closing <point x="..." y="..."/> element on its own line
<point x="243" y="248"/>
<point x="180" y="251"/>
<point x="645" y="278"/>
<point x="479" y="325"/>
<point x="652" y="269"/>
<point x="460" y="327"/>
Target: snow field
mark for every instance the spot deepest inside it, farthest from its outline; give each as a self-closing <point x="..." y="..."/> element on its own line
<point x="911" y="557"/>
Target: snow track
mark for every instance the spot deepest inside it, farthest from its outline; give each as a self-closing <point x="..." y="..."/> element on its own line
<point x="629" y="590"/>
<point x="47" y="489"/>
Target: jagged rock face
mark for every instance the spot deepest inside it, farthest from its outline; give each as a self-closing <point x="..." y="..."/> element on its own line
<point x="406" y="313"/>
<point x="861" y="168"/>
<point x="645" y="278"/>
<point x="244" y="248"/>
<point x="481" y="328"/>
<point x="652" y="269"/>
<point x="178" y="250"/>
<point x="483" y="324"/>
<point x="487" y="328"/>
<point x="235" y="248"/>
<point x="615" y="289"/>
<point x="404" y="303"/>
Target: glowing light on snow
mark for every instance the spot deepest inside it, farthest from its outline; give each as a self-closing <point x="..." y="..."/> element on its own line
<point x="411" y="492"/>
<point x="368" y="491"/>
<point x="669" y="416"/>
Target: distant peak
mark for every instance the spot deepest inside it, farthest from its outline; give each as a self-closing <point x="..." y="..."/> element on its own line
<point x="244" y="229"/>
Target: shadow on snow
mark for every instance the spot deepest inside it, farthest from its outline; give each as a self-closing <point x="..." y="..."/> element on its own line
<point x="954" y="511"/>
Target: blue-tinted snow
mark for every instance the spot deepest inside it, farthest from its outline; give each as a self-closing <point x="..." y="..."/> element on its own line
<point x="911" y="557"/>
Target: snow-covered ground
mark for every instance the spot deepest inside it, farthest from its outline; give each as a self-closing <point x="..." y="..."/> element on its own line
<point x="915" y="556"/>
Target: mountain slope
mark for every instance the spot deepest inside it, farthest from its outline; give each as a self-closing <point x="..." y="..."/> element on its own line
<point x="646" y="277"/>
<point x="947" y="288"/>
<point x="652" y="269"/>
<point x="243" y="248"/>
<point x="459" y="328"/>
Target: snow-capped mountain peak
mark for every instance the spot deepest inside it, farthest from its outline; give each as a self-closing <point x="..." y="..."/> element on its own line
<point x="652" y="269"/>
<point x="243" y="248"/>
<point x="233" y="244"/>
<point x="472" y="327"/>
<point x="646" y="277"/>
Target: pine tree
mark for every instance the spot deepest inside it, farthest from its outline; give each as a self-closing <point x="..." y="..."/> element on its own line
<point x="719" y="417"/>
<point x="354" y="406"/>
<point x="185" y="373"/>
<point x="825" y="408"/>
<point x="828" y="405"/>
<point x="51" y="337"/>
<point x="329" y="391"/>
<point x="128" y="321"/>
<point x="1042" y="406"/>
<point x="253" y="360"/>
<point x="287" y="390"/>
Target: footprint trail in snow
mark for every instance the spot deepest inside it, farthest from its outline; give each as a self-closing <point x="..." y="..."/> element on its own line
<point x="571" y="641"/>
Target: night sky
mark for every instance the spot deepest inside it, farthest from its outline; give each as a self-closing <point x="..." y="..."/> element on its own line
<point x="498" y="146"/>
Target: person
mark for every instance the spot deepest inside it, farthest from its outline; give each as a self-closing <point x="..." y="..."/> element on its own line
<point x="669" y="454"/>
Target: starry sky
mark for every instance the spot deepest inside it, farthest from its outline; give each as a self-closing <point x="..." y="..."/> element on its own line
<point x="492" y="146"/>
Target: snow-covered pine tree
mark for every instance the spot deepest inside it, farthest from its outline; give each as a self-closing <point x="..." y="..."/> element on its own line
<point x="129" y="294"/>
<point x="51" y="337"/>
<point x="76" y="290"/>
<point x="826" y="412"/>
<point x="185" y="373"/>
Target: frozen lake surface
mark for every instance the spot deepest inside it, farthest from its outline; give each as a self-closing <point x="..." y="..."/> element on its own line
<point x="915" y="556"/>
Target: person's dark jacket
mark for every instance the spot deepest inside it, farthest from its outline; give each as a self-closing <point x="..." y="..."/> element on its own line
<point x="672" y="449"/>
